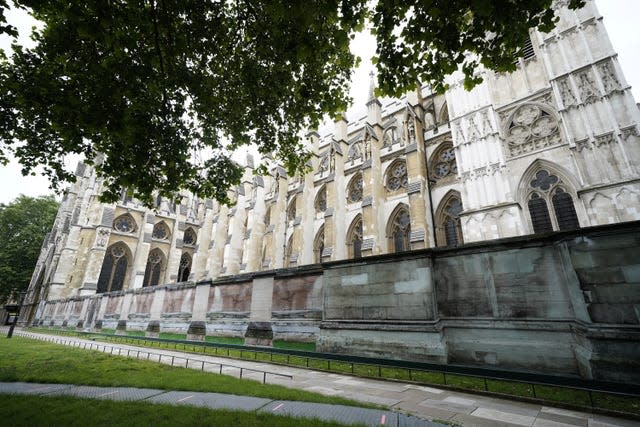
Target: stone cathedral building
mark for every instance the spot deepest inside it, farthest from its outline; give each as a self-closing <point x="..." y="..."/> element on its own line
<point x="552" y="146"/>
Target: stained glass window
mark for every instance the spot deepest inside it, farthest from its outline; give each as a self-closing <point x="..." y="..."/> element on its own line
<point x="318" y="245"/>
<point x="124" y="224"/>
<point x="160" y="231"/>
<point x="189" y="237"/>
<point x="354" y="238"/>
<point x="154" y="268"/>
<point x="114" y="269"/>
<point x="449" y="230"/>
<point x="185" y="267"/>
<point x="397" y="176"/>
<point x="321" y="200"/>
<point x="547" y="191"/>
<point x="354" y="192"/>
<point x="401" y="230"/>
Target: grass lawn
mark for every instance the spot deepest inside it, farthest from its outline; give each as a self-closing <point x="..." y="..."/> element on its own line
<point x="577" y="398"/>
<point x="28" y="360"/>
<point x="31" y="411"/>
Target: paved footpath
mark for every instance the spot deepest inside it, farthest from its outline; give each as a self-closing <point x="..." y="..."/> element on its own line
<point x="420" y="402"/>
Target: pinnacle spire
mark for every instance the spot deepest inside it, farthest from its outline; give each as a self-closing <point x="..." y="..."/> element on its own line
<point x="372" y="87"/>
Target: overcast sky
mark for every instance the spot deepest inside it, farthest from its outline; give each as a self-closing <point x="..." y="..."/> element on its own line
<point x="620" y="18"/>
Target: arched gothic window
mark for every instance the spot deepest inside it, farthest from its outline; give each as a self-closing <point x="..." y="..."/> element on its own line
<point x="443" y="163"/>
<point x="114" y="268"/>
<point x="355" y="188"/>
<point x="291" y="210"/>
<point x="321" y="200"/>
<point x="125" y="224"/>
<point x="397" y="175"/>
<point x="185" y="267"/>
<point x="449" y="228"/>
<point x="399" y="230"/>
<point x="354" y="238"/>
<point x="189" y="237"/>
<point x="318" y="246"/>
<point x="161" y="231"/>
<point x="155" y="268"/>
<point x="548" y="190"/>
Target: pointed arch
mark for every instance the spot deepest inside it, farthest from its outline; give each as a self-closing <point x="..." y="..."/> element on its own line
<point x="291" y="209"/>
<point x="442" y="163"/>
<point x="154" y="272"/>
<point x="289" y="260"/>
<point x="399" y="229"/>
<point x="443" y="116"/>
<point x="125" y="223"/>
<point x="318" y="245"/>
<point x="448" y="226"/>
<point x="116" y="268"/>
<point x="320" y="202"/>
<point x="161" y="231"/>
<point x="548" y="192"/>
<point x="354" y="238"/>
<point x="396" y="177"/>
<point x="355" y="188"/>
<point x="184" y="269"/>
<point x="190" y="237"/>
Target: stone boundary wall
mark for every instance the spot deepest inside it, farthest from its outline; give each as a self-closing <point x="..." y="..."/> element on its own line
<point x="565" y="303"/>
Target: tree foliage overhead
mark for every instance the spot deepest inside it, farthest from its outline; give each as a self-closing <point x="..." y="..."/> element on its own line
<point x="24" y="224"/>
<point x="152" y="83"/>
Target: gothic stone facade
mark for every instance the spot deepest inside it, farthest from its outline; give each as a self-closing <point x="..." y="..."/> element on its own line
<point x="552" y="146"/>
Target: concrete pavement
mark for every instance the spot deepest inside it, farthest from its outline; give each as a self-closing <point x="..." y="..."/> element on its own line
<point x="423" y="402"/>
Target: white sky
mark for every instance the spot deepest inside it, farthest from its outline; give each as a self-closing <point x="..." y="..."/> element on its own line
<point x="620" y="18"/>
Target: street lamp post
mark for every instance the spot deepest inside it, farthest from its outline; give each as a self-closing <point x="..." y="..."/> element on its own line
<point x="15" y="319"/>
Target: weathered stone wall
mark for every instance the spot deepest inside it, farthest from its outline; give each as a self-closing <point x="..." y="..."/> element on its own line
<point x="566" y="303"/>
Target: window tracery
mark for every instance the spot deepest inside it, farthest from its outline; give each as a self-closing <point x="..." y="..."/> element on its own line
<point x="355" y="189"/>
<point x="397" y="176"/>
<point x="400" y="230"/>
<point x="355" y="152"/>
<point x="354" y="238"/>
<point x="160" y="231"/>
<point x="449" y="227"/>
<point x="443" y="163"/>
<point x="547" y="189"/>
<point x="189" y="237"/>
<point x="114" y="268"/>
<point x="184" y="269"/>
<point x="153" y="271"/>
<point x="531" y="128"/>
<point x="124" y="224"/>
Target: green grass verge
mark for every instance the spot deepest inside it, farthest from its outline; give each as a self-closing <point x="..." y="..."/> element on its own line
<point x="28" y="360"/>
<point x="30" y="411"/>
<point x="295" y="345"/>
<point x="563" y="395"/>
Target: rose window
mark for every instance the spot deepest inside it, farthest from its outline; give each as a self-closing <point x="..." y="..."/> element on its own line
<point x="398" y="176"/>
<point x="124" y="224"/>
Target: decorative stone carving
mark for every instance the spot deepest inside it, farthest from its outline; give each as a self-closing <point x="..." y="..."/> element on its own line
<point x="605" y="139"/>
<point x="355" y="152"/>
<point x="586" y="86"/>
<point x="102" y="237"/>
<point x="531" y="128"/>
<point x="609" y="78"/>
<point x="566" y="94"/>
